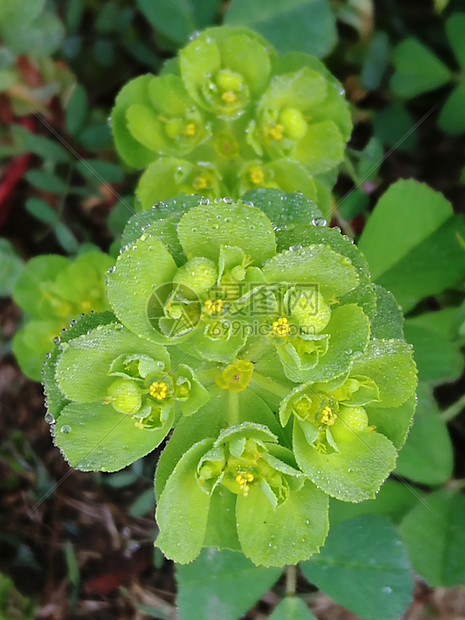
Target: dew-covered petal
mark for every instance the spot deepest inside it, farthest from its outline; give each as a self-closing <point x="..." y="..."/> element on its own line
<point x="182" y="510"/>
<point x="95" y="437"/>
<point x="140" y="269"/>
<point x="352" y="474"/>
<point x="288" y="534"/>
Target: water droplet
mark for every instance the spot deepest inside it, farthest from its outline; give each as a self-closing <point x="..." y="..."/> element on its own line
<point x="387" y="590"/>
<point x="65" y="429"/>
<point x="319" y="221"/>
<point x="49" y="418"/>
<point x="56" y="340"/>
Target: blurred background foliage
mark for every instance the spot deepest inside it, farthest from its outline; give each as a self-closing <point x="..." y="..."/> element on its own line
<point x="81" y="545"/>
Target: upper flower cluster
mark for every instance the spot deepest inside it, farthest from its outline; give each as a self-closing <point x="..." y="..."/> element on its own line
<point x="229" y="115"/>
<point x="258" y="335"/>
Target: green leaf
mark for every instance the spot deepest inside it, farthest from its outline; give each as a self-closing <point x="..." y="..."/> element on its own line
<point x="178" y="19"/>
<point x="451" y="119"/>
<point x="82" y="369"/>
<point x="299" y="25"/>
<point x="438" y="357"/>
<point x="393" y="500"/>
<point x="54" y="398"/>
<point x="98" y="172"/>
<point x="92" y="436"/>
<point x="32" y="342"/>
<point x="455" y="26"/>
<point x="29" y="142"/>
<point x="316" y="264"/>
<point x="393" y="422"/>
<point x="364" y="566"/>
<point x="427" y="457"/>
<point x="11" y="266"/>
<point x="388" y="321"/>
<point x="394" y="126"/>
<point x="144" y="505"/>
<point x="208" y="588"/>
<point x="434" y="534"/>
<point x="352" y="474"/>
<point x="427" y="260"/>
<point x="376" y="60"/>
<point x="140" y="269"/>
<point x="182" y="510"/>
<point x="76" y="111"/>
<point x="40" y="36"/>
<point x="288" y="534"/>
<point x="292" y="608"/>
<point x="203" y="230"/>
<point x="28" y="289"/>
<point x="418" y="70"/>
<point x="13" y="15"/>
<point x="46" y="181"/>
<point x="66" y="238"/>
<point x="390" y="364"/>
<point x="41" y="210"/>
<point x="131" y="151"/>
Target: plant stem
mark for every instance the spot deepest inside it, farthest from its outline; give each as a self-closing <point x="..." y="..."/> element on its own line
<point x="269" y="385"/>
<point x="291" y="579"/>
<point x="453" y="411"/>
<point x="233" y="417"/>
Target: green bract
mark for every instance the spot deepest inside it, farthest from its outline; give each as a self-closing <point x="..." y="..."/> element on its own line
<point x="52" y="290"/>
<point x="256" y="333"/>
<point x="232" y="116"/>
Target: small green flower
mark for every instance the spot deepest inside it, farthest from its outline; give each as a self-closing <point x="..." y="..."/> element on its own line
<point x="245" y="469"/>
<point x="52" y="290"/>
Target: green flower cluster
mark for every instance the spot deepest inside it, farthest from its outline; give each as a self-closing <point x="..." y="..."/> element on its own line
<point x="52" y="290"/>
<point x="229" y="115"/>
<point x="255" y="332"/>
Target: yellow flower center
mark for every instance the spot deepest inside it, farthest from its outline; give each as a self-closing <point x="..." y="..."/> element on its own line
<point x="256" y="175"/>
<point x="158" y="390"/>
<point x="328" y="416"/>
<point x="190" y="130"/>
<point x="213" y="306"/>
<point x="236" y="377"/>
<point x="281" y="327"/>
<point x="200" y="183"/>
<point x="276" y="132"/>
<point x="243" y="480"/>
<point x="229" y="96"/>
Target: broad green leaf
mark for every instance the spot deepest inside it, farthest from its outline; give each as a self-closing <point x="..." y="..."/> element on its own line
<point x="390" y="364"/>
<point x="427" y="260"/>
<point x="40" y="36"/>
<point x="11" y="266"/>
<point x="437" y="356"/>
<point x="54" y="399"/>
<point x="364" y="566"/>
<point x="288" y="534"/>
<point x="376" y="61"/>
<point x="303" y="25"/>
<point x="290" y="214"/>
<point x="204" y="229"/>
<point x="208" y="588"/>
<point x="427" y="457"/>
<point x="140" y="269"/>
<point x="92" y="436"/>
<point x="221" y="525"/>
<point x="29" y="142"/>
<point x="319" y="265"/>
<point x="393" y="422"/>
<point x="418" y="70"/>
<point x="292" y="608"/>
<point x="82" y="369"/>
<point x="451" y="119"/>
<point x="46" y="181"/>
<point x="66" y="238"/>
<point x="388" y="321"/>
<point x="394" y="126"/>
<point x="99" y="172"/>
<point x="435" y="537"/>
<point x="13" y="15"/>
<point x="41" y="210"/>
<point x="76" y="111"/>
<point x="130" y="150"/>
<point x="182" y="510"/>
<point x="178" y="19"/>
<point x="393" y="500"/>
<point x="352" y="474"/>
<point x="455" y="26"/>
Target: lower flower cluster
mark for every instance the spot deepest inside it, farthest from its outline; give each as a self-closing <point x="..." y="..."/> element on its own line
<point x="254" y="333"/>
